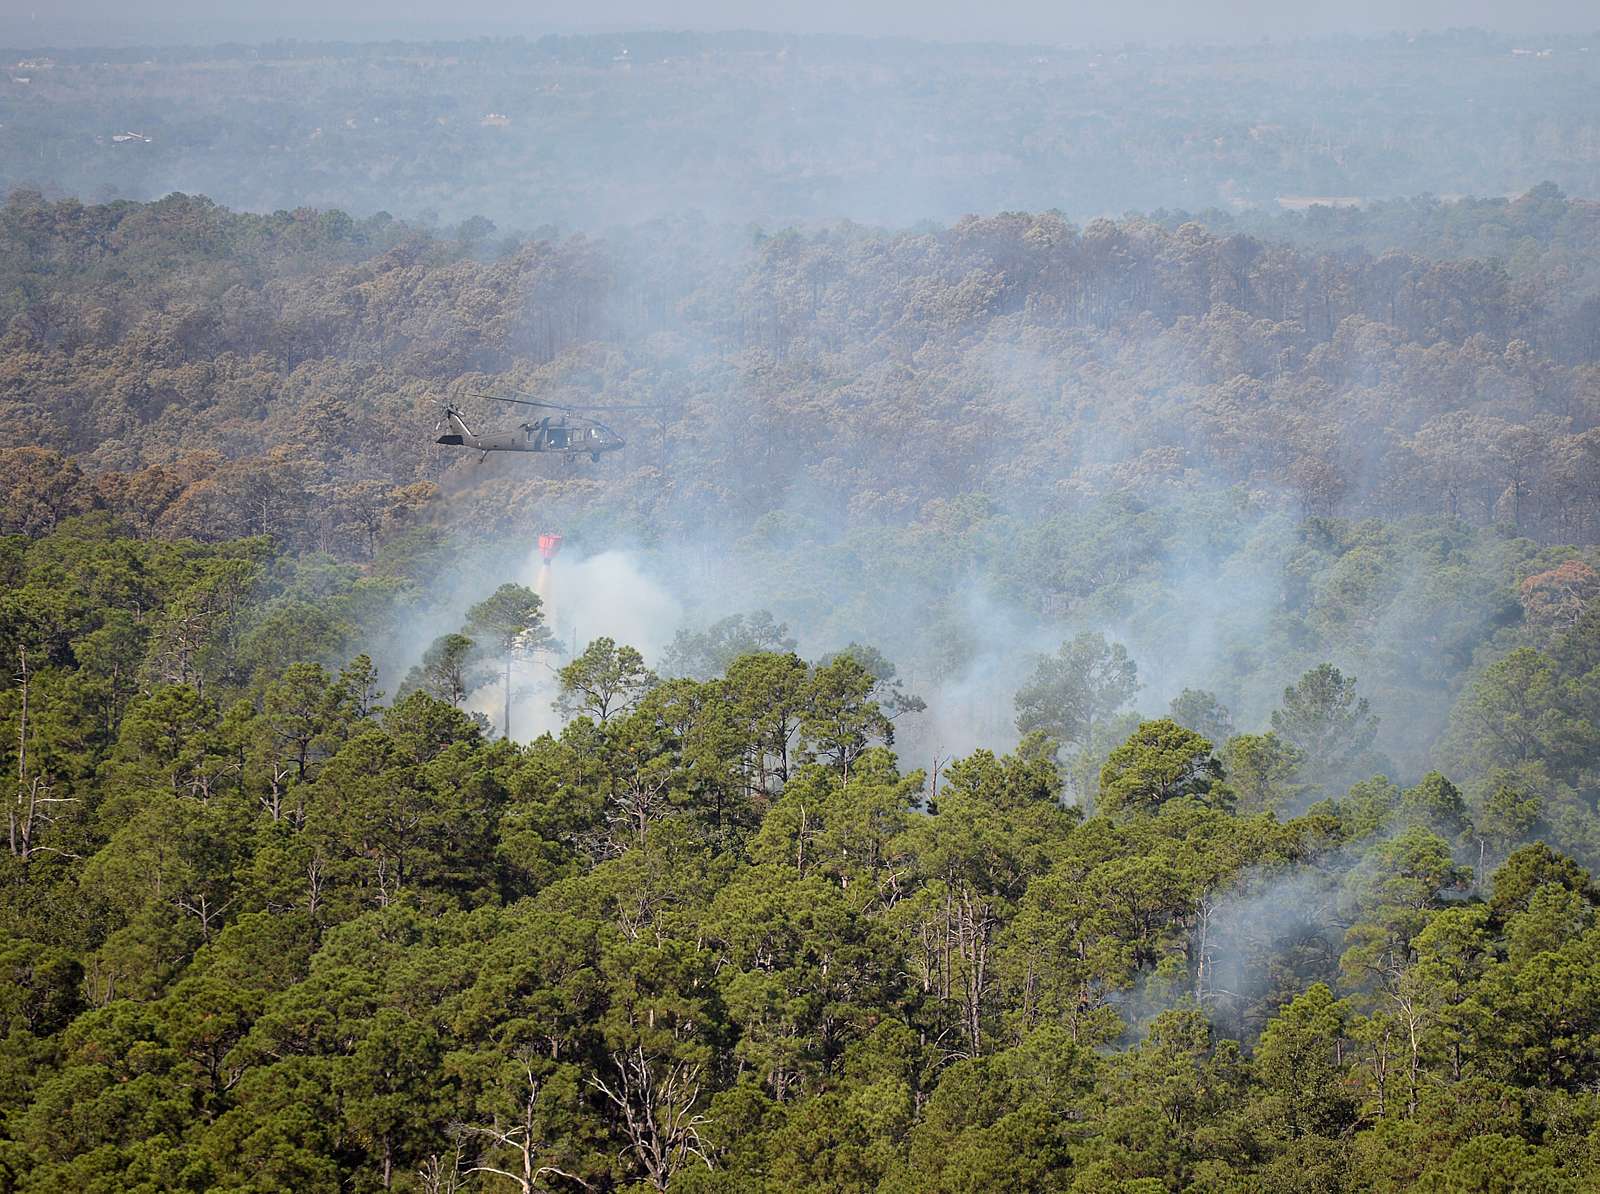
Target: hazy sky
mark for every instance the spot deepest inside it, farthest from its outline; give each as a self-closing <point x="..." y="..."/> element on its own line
<point x="35" y="22"/>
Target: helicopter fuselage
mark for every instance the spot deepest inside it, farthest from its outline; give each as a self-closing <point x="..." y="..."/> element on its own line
<point x="556" y="436"/>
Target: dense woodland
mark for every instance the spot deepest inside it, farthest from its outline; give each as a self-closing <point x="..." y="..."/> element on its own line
<point x="1278" y="536"/>
<point x="267" y="929"/>
<point x="213" y="370"/>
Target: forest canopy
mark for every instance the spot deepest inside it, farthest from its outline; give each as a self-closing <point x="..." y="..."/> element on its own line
<point x="1076" y="706"/>
<point x="215" y="368"/>
<point x="270" y="928"/>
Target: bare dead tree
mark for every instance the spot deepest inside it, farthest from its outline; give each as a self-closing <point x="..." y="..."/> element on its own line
<point x="316" y="880"/>
<point x="35" y="806"/>
<point x="638" y="801"/>
<point x="443" y="1175"/>
<point x="523" y="1137"/>
<point x="656" y="1105"/>
<point x="972" y="927"/>
<point x="201" y="907"/>
<point x="34" y="811"/>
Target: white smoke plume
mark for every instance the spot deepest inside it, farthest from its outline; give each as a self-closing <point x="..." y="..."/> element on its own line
<point x="606" y="595"/>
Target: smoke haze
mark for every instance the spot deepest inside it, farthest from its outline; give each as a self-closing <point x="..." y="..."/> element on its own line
<point x="1067" y="552"/>
<point x="1007" y="21"/>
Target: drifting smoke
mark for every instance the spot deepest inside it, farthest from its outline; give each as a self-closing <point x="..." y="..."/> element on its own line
<point x="1205" y="615"/>
<point x="610" y="595"/>
<point x="969" y="700"/>
<point x="1271" y="923"/>
<point x="607" y="595"/>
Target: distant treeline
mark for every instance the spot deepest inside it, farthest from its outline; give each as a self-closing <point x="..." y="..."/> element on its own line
<point x="587" y="132"/>
<point x="215" y="369"/>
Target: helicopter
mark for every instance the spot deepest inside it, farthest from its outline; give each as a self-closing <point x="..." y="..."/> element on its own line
<point x="568" y="434"/>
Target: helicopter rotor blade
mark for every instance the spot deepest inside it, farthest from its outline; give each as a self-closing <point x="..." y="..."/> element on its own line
<point x="630" y="406"/>
<point x="570" y="409"/>
<point x="525" y="402"/>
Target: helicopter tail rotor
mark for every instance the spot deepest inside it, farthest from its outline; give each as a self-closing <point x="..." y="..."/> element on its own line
<point x="451" y="423"/>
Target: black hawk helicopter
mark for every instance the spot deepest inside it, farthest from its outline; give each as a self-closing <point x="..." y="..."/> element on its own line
<point x="568" y="434"/>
